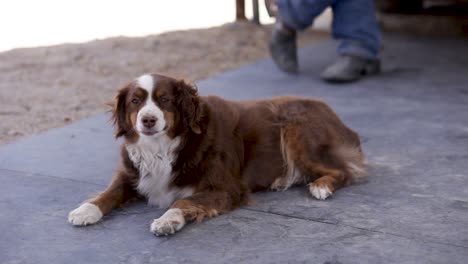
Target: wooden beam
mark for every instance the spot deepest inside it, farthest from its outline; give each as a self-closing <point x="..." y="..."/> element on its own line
<point x="256" y="14"/>
<point x="240" y="10"/>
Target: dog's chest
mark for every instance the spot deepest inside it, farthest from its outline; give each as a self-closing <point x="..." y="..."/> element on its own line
<point x="153" y="157"/>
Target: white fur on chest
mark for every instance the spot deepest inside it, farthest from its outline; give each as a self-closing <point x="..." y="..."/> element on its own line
<point x="153" y="157"/>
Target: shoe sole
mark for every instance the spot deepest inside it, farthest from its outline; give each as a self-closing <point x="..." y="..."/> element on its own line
<point x="370" y="69"/>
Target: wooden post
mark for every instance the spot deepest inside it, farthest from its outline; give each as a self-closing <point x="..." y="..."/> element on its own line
<point x="256" y="14"/>
<point x="240" y="10"/>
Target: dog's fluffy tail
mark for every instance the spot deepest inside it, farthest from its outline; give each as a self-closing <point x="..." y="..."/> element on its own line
<point x="354" y="161"/>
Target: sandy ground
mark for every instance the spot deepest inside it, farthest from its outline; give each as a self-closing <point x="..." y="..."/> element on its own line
<point x="47" y="87"/>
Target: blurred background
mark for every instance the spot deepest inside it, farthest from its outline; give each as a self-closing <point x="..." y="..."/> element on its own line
<point x="61" y="61"/>
<point x="26" y="23"/>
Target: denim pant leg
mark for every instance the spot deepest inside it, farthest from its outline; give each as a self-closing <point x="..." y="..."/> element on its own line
<point x="300" y="14"/>
<point x="355" y="26"/>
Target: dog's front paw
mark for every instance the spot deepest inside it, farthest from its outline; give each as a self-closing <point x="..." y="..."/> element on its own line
<point x="320" y="191"/>
<point x="169" y="223"/>
<point x="86" y="214"/>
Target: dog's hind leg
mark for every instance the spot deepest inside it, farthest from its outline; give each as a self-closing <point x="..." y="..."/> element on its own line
<point x="330" y="179"/>
<point x="324" y="164"/>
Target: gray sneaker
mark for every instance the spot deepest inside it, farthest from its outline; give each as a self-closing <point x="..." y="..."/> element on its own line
<point x="283" y="49"/>
<point x="350" y="68"/>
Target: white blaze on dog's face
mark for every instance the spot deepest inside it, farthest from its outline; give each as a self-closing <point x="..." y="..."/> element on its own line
<point x="145" y="107"/>
<point x="153" y="105"/>
<point x="150" y="119"/>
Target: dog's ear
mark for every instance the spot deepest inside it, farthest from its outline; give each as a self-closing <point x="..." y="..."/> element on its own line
<point x="188" y="102"/>
<point x="119" y="109"/>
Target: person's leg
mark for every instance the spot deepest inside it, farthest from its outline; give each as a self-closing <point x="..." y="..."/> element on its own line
<point x="355" y="26"/>
<point x="293" y="15"/>
<point x="300" y="14"/>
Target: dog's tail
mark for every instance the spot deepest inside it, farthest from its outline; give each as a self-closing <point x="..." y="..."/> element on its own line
<point x="354" y="160"/>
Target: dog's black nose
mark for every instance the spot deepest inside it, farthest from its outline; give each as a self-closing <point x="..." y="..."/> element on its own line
<point x="149" y="121"/>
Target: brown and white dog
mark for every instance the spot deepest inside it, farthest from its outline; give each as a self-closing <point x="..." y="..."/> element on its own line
<point x="203" y="156"/>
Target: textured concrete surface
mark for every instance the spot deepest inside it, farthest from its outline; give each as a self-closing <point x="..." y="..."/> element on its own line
<point x="413" y="120"/>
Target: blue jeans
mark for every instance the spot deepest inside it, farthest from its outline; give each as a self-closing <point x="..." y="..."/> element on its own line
<point x="354" y="22"/>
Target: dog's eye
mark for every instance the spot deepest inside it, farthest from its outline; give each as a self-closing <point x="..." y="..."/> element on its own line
<point x="164" y="99"/>
<point x="135" y="101"/>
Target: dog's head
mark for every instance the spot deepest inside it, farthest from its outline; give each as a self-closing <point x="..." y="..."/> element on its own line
<point x="153" y="105"/>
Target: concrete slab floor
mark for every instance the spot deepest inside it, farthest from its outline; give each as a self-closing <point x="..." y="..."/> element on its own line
<point x="413" y="119"/>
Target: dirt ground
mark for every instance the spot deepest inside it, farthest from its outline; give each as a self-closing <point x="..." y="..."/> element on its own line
<point x="47" y="87"/>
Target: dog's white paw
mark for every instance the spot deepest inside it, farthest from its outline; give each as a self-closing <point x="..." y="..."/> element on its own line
<point x="86" y="214"/>
<point x="170" y="222"/>
<point x="320" y="192"/>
